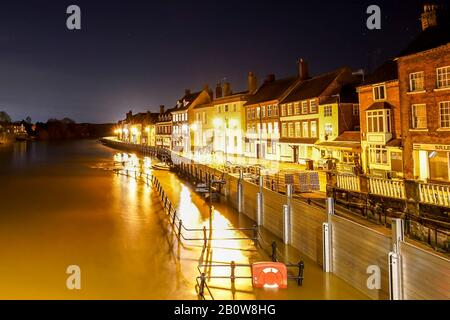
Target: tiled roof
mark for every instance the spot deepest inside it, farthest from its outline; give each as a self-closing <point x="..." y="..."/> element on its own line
<point x="428" y="39"/>
<point x="271" y="91"/>
<point x="386" y="72"/>
<point x="349" y="136"/>
<point x="186" y="101"/>
<point x="394" y="143"/>
<point x="313" y="87"/>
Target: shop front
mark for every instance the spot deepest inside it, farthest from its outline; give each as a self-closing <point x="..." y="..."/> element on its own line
<point x="432" y="162"/>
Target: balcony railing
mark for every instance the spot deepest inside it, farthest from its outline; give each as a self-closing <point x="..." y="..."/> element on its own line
<point x="387" y="187"/>
<point x="348" y="182"/>
<point x="435" y="194"/>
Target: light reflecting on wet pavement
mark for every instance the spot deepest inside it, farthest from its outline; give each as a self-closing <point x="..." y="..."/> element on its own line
<point x="60" y="208"/>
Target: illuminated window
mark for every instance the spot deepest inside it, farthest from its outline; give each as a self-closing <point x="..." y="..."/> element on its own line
<point x="313" y="106"/>
<point x="379" y="92"/>
<point x="443" y="77"/>
<point x="419" y="116"/>
<point x="327" y="111"/>
<point x="297" y="108"/>
<point x="328" y="129"/>
<point x="305" y="129"/>
<point x="356" y="110"/>
<point x="378" y="154"/>
<point x="416" y="81"/>
<point x="289" y="109"/>
<point x="263" y="112"/>
<point x="298" y="132"/>
<point x="284" y="129"/>
<point x="283" y="110"/>
<point x="444" y="114"/>
<point x="313" y="129"/>
<point x="269" y="128"/>
<point x="378" y="121"/>
<point x="304" y="107"/>
<point x="291" y="129"/>
<point x="269" y="111"/>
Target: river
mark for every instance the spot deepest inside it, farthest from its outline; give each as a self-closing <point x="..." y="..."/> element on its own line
<point x="60" y="205"/>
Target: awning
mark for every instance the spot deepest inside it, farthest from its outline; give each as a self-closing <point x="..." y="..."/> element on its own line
<point x="340" y="145"/>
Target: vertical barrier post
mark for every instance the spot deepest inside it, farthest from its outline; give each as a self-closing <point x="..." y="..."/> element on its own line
<point x="240" y="192"/>
<point x="286" y="224"/>
<point x="233" y="271"/>
<point x="326" y="237"/>
<point x="395" y="271"/>
<point x="259" y="209"/>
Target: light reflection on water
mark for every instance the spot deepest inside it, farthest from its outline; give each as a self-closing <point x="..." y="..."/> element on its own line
<point x="57" y="211"/>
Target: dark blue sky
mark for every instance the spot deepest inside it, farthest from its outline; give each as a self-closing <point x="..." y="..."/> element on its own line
<point x="140" y="54"/>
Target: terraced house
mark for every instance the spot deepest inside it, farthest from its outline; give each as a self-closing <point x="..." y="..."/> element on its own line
<point x="317" y="110"/>
<point x="164" y="129"/>
<point x="262" y="118"/>
<point x="138" y="128"/>
<point x="183" y="116"/>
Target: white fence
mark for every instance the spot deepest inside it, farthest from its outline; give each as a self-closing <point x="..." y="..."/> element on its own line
<point x="435" y="194"/>
<point x="387" y="187"/>
<point x="348" y="182"/>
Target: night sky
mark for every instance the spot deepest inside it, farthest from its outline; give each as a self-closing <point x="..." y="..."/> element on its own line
<point x="140" y="54"/>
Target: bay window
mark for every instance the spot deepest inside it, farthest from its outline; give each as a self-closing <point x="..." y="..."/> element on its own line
<point x="378" y="121"/>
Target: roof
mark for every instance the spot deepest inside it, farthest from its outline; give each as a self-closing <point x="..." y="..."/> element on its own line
<point x="394" y="143"/>
<point x="386" y="72"/>
<point x="428" y="39"/>
<point x="350" y="140"/>
<point x="299" y="140"/>
<point x="380" y="105"/>
<point x="203" y="105"/>
<point x="313" y="87"/>
<point x="269" y="91"/>
<point x="349" y="136"/>
<point x="185" y="102"/>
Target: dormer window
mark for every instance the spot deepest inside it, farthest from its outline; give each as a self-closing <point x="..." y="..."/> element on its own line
<point x="379" y="92"/>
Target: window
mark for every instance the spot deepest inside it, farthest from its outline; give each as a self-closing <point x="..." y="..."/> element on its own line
<point x="253" y="113"/>
<point x="327" y="111"/>
<point x="304" y="107"/>
<point x="443" y="77"/>
<point x="305" y="129"/>
<point x="269" y="128"/>
<point x="234" y="107"/>
<point x="283" y="110"/>
<point x="263" y="112"/>
<point x="348" y="157"/>
<point x="444" y="114"/>
<point x="378" y="154"/>
<point x="289" y="109"/>
<point x="298" y="133"/>
<point x="269" y="111"/>
<point x="419" y="116"/>
<point x="379" y="92"/>
<point x="275" y="127"/>
<point x="379" y="121"/>
<point x="226" y="108"/>
<point x="275" y="110"/>
<point x="416" y="81"/>
<point x="264" y="128"/>
<point x="313" y="129"/>
<point x="269" y="146"/>
<point x="258" y="112"/>
<point x="284" y="130"/>
<point x="313" y="106"/>
<point x="297" y="108"/>
<point x="328" y="129"/>
<point x="291" y="129"/>
<point x="356" y="110"/>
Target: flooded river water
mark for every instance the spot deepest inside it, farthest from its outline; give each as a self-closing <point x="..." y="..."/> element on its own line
<point x="61" y="206"/>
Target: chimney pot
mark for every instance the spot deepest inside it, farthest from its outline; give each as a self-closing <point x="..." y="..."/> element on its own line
<point x="226" y="90"/>
<point x="187" y="92"/>
<point x="218" y="90"/>
<point x="252" y="83"/>
<point x="303" y="73"/>
<point x="161" y="109"/>
<point x="270" y="78"/>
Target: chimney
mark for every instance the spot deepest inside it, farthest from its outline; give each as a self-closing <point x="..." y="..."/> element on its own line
<point x="187" y="92"/>
<point x="252" y="82"/>
<point x="161" y="109"/>
<point x="218" y="90"/>
<point x="129" y="115"/>
<point x="269" y="78"/>
<point x="226" y="89"/>
<point x="303" y="70"/>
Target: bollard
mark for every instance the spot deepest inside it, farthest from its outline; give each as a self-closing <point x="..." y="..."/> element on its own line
<point x="286" y="224"/>
<point x="274" y="252"/>
<point x="233" y="271"/>
<point x="259" y="209"/>
<point x="330" y="206"/>
<point x="240" y="197"/>
<point x="289" y="190"/>
<point x="301" y="267"/>
<point x="255" y="235"/>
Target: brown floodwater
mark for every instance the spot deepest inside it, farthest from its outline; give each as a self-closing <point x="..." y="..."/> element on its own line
<point x="61" y="205"/>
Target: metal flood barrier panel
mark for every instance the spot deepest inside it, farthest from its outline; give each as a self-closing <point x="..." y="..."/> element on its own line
<point x="425" y="275"/>
<point x="232" y="193"/>
<point x="306" y="234"/>
<point x="355" y="250"/>
<point x="273" y="211"/>
<point x="249" y="199"/>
